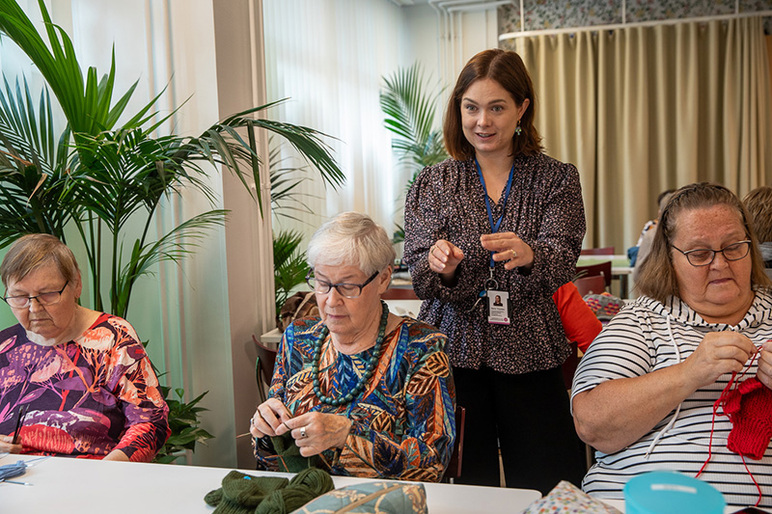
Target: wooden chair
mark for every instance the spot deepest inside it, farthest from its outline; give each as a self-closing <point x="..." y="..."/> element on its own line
<point x="569" y="366"/>
<point x="453" y="470"/>
<point x="266" y="358"/>
<point x="603" y="269"/>
<point x="593" y="284"/>
<point x="399" y="293"/>
<point x="605" y="250"/>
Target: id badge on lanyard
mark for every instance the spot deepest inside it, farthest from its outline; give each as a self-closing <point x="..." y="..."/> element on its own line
<point x="498" y="300"/>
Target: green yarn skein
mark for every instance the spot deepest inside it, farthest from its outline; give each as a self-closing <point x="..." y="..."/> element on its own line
<point x="304" y="487"/>
<point x="241" y="493"/>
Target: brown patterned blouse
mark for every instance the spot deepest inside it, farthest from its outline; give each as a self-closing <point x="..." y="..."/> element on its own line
<point x="545" y="210"/>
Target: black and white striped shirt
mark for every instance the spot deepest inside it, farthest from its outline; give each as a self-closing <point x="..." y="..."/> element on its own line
<point x="648" y="335"/>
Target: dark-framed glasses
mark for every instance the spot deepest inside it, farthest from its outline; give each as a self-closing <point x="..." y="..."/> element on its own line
<point x="704" y="256"/>
<point x="49" y="298"/>
<point x="344" y="289"/>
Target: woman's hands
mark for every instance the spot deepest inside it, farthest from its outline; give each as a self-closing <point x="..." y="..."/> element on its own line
<point x="444" y="257"/>
<point x="764" y="374"/>
<point x="313" y="432"/>
<point x="717" y="354"/>
<point x="6" y="445"/>
<point x="509" y="248"/>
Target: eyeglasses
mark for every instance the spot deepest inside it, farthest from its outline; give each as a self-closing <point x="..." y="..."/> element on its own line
<point x="704" y="256"/>
<point x="343" y="289"/>
<point x="22" y="302"/>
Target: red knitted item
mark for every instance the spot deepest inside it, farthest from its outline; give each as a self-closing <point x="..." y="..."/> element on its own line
<point x="749" y="407"/>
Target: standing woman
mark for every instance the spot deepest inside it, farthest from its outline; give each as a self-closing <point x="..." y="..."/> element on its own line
<point x="500" y="218"/>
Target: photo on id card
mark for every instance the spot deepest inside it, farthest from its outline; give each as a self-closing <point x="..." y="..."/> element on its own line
<point x="498" y="307"/>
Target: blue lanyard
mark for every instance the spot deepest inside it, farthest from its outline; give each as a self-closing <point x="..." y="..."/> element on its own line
<point x="495" y="226"/>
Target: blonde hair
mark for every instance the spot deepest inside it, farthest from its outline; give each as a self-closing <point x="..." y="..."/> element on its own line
<point x="759" y="206"/>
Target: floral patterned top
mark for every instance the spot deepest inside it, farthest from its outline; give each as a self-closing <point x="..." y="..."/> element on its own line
<point x="86" y="397"/>
<point x="403" y="421"/>
<point x="545" y="210"/>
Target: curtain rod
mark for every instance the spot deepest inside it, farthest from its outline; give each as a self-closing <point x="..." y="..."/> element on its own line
<point x="616" y="26"/>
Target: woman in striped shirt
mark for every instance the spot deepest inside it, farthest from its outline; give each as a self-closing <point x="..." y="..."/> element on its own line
<point x="644" y="393"/>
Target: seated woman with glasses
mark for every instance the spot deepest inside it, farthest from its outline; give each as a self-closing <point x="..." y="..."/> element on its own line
<point x="680" y="379"/>
<point x="366" y="392"/>
<point x="73" y="381"/>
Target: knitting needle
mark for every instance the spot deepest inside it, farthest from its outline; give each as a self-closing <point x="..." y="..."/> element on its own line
<point x="5" y="480"/>
<point x="243" y="435"/>
<point x="19" y="421"/>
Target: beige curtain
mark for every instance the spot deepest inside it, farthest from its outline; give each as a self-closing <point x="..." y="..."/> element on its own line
<point x="643" y="109"/>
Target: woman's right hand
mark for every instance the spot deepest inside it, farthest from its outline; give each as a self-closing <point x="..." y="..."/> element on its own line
<point x="444" y="257"/>
<point x="269" y="419"/>
<point x="718" y="353"/>
<point x="6" y="445"/>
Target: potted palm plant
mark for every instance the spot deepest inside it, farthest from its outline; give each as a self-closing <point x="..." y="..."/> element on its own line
<point x="409" y="105"/>
<point x="85" y="181"/>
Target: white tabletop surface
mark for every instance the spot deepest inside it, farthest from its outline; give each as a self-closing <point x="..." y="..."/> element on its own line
<point x="62" y="484"/>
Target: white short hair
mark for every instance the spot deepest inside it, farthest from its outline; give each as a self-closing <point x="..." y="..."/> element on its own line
<point x="351" y="239"/>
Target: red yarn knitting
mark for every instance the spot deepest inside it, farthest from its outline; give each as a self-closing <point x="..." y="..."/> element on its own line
<point x="749" y="407"/>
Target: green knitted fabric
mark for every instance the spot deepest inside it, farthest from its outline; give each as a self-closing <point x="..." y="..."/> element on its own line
<point x="241" y="493"/>
<point x="246" y="494"/>
<point x="304" y="487"/>
<point x="289" y="455"/>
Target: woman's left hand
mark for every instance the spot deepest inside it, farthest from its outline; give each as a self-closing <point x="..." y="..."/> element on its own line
<point x="315" y="432"/>
<point x="509" y="248"/>
<point x="764" y="373"/>
<point x="6" y="445"/>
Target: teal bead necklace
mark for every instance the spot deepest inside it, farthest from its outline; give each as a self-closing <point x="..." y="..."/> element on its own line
<point x="369" y="370"/>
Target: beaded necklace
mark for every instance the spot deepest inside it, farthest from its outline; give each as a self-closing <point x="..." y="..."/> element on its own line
<point x="369" y="370"/>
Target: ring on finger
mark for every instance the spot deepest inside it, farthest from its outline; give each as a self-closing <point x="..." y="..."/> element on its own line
<point x="286" y="425"/>
<point x="303" y="434"/>
<point x="514" y="253"/>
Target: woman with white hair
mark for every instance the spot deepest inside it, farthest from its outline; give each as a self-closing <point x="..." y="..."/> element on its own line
<point x="368" y="392"/>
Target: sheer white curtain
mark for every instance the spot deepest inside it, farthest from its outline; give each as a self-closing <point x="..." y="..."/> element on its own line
<point x="643" y="109"/>
<point x="328" y="56"/>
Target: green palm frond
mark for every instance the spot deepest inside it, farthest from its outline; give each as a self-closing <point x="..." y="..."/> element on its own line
<point x="180" y="242"/>
<point x="409" y="110"/>
<point x="289" y="264"/>
<point x="33" y="166"/>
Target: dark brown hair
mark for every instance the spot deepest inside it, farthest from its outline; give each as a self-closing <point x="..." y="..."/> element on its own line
<point x="657" y="279"/>
<point x="759" y="205"/>
<point x="34" y="251"/>
<point x="506" y="68"/>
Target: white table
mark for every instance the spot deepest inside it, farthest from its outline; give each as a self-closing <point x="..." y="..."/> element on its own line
<point x="64" y="484"/>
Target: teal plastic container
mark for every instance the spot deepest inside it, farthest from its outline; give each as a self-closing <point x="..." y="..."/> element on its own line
<point x="669" y="492"/>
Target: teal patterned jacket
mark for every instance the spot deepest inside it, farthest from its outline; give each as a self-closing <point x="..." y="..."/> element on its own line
<point x="403" y="421"/>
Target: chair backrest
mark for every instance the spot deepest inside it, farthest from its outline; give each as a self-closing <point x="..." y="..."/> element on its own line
<point x="454" y="466"/>
<point x="266" y="358"/>
<point x="593" y="284"/>
<point x="399" y="293"/>
<point x="602" y="268"/>
<point x="605" y="250"/>
<point x="570" y="364"/>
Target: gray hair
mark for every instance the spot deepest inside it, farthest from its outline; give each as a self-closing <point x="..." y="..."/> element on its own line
<point x="351" y="239"/>
<point x="35" y="251"/>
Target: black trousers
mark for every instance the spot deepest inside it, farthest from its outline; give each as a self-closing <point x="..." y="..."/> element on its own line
<point x="526" y="415"/>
